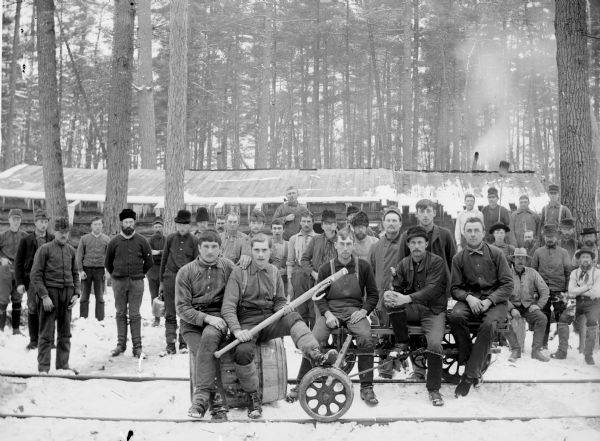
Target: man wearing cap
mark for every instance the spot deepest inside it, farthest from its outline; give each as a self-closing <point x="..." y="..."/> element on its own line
<point x="554" y="212"/>
<point x="23" y="264"/>
<point x="55" y="277"/>
<point x="299" y="279"/>
<point x="9" y="242"/>
<point x="554" y="265"/>
<point x="321" y="248"/>
<point x="128" y="259"/>
<point x="529" y="296"/>
<point x="289" y="213"/>
<point x="584" y="285"/>
<point x="567" y="238"/>
<point x="524" y="219"/>
<point x="439" y="240"/>
<point x="157" y="245"/>
<point x="91" y="254"/>
<point x="494" y="213"/>
<point x="235" y="244"/>
<point x="201" y="221"/>
<point x="181" y="248"/>
<point x="470" y="211"/>
<point x="482" y="283"/>
<point x="499" y="232"/>
<point x="419" y="297"/>
<point x="363" y="241"/>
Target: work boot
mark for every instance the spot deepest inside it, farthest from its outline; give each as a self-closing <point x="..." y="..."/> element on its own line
<point x="156" y="322"/>
<point x="170" y="349"/>
<point x="436" y="398"/>
<point x="591" y="333"/>
<point x="539" y="355"/>
<point x="183" y="348"/>
<point x="218" y="408"/>
<point x="197" y="410"/>
<point x="31" y="346"/>
<point x="292" y="395"/>
<point x="400" y="351"/>
<point x="137" y="353"/>
<point x="117" y="351"/>
<point x="562" y="329"/>
<point x="254" y="405"/>
<point x="17" y="331"/>
<point x="589" y="360"/>
<point x="320" y="359"/>
<point x="464" y="386"/>
<point x="368" y="396"/>
<point x="515" y="354"/>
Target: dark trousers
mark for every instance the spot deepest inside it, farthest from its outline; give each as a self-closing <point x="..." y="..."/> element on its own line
<point x="586" y="307"/>
<point x="33" y="317"/>
<point x="474" y="355"/>
<point x="556" y="303"/>
<point x="61" y="314"/>
<point x="434" y="327"/>
<point x="537" y="321"/>
<point x="170" y="315"/>
<point x="203" y="342"/>
<point x="9" y="293"/>
<point x="153" y="284"/>
<point x="128" y="299"/>
<point x="361" y="330"/>
<point x="95" y="277"/>
<point x="302" y="282"/>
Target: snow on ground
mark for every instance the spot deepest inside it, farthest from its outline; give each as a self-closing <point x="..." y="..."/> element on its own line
<point x="92" y="342"/>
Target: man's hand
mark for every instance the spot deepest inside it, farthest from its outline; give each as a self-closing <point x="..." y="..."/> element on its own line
<point x="287" y="309"/>
<point x="243" y="335"/>
<point x="4" y="261"/>
<point x="475" y="304"/>
<point x="21" y="289"/>
<point x="393" y="299"/>
<point x="47" y="303"/>
<point x="314" y="275"/>
<point x="155" y="252"/>
<point x="290" y="217"/>
<point x="533" y="308"/>
<point x="485" y="305"/>
<point x="245" y="261"/>
<point x="74" y="299"/>
<point x="217" y="322"/>
<point x="515" y="313"/>
<point x="331" y="321"/>
<point x="82" y="275"/>
<point x="357" y="316"/>
<point x="161" y="289"/>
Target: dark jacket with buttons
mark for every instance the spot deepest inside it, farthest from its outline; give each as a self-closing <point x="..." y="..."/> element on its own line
<point x="425" y="284"/>
<point x="128" y="257"/>
<point x="24" y="257"/>
<point x="54" y="266"/>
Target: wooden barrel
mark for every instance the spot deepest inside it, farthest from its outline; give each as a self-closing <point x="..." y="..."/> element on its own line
<point x="271" y="364"/>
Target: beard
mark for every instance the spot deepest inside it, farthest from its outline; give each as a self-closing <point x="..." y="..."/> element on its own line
<point x="360" y="236"/>
<point x="528" y="243"/>
<point x="128" y="231"/>
<point x="589" y="243"/>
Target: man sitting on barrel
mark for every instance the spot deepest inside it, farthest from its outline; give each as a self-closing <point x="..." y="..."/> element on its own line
<point x="199" y="289"/>
<point x="419" y="297"/>
<point x="481" y="282"/>
<point x="253" y="295"/>
<point x="346" y="304"/>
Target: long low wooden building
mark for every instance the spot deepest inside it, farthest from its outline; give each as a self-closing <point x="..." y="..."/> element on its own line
<point x="242" y="190"/>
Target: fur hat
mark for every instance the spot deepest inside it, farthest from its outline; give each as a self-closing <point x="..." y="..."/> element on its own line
<point x="359" y="219"/>
<point x="62" y="224"/>
<point x="202" y="214"/>
<point x="127" y="213"/>
<point x="328" y="216"/>
<point x="416" y="231"/>
<point x="183" y="217"/>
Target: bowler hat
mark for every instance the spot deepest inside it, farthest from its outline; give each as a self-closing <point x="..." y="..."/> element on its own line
<point x="499" y="226"/>
<point x="492" y="191"/>
<point x="127" y="213"/>
<point x="202" y="215"/>
<point x="553" y="188"/>
<point x="183" y="217"/>
<point x="15" y="212"/>
<point x="589" y="230"/>
<point x="416" y="231"/>
<point x="359" y="219"/>
<point x="585" y="250"/>
<point x="549" y="229"/>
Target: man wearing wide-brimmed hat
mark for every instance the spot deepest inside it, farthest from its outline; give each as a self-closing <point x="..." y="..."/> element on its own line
<point x="529" y="296"/>
<point x="9" y="242"/>
<point x="180" y="249"/>
<point x="584" y="285"/>
<point x="554" y="265"/>
<point x="499" y="231"/>
<point x="128" y="259"/>
<point x="23" y="263"/>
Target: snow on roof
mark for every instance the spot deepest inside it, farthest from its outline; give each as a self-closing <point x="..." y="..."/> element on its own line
<point x="207" y="187"/>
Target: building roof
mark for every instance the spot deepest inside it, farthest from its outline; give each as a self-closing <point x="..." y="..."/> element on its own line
<point x="206" y="187"/>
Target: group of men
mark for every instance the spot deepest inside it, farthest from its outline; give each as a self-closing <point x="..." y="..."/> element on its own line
<point x="496" y="266"/>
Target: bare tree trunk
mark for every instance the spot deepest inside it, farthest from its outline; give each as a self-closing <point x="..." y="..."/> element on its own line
<point x="177" y="112"/>
<point x="261" y="151"/>
<point x="315" y="157"/>
<point x="119" y="114"/>
<point x="144" y="87"/>
<point x="326" y="117"/>
<point x="416" y="92"/>
<point x="8" y="155"/>
<point x="577" y="166"/>
<point x="29" y="153"/>
<point x="381" y="155"/>
<point x="306" y="155"/>
<point x="54" y="182"/>
<point x="348" y="143"/>
<point x="406" y="88"/>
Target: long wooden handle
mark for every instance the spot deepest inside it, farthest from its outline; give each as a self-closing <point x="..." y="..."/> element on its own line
<point x="294" y="304"/>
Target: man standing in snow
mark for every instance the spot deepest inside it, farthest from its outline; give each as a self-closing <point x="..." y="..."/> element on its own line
<point x="289" y="213"/>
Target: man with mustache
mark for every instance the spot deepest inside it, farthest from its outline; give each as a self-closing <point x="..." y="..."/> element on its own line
<point x="524" y="219"/>
<point x="157" y="243"/>
<point x="128" y="259"/>
<point x="530" y="242"/>
<point x="363" y="241"/>
<point x="567" y="237"/>
<point x="419" y="298"/>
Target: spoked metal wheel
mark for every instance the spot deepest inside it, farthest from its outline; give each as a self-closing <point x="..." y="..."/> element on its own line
<point x="451" y="369"/>
<point x="326" y="394"/>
